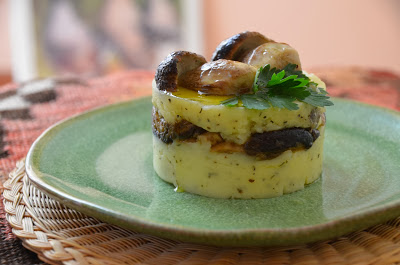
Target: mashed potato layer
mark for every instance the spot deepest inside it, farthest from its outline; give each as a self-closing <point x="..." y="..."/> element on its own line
<point x="191" y="167"/>
<point x="234" y="124"/>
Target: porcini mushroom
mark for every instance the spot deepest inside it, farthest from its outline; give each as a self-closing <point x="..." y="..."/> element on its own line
<point x="275" y="54"/>
<point x="221" y="77"/>
<point x="173" y="66"/>
<point x="257" y="50"/>
<point x="237" y="46"/>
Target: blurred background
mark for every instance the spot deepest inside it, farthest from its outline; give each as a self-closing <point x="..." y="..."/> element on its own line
<point x="40" y="38"/>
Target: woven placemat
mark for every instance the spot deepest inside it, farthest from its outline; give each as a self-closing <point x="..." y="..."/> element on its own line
<point x="60" y="235"/>
<point x="27" y="109"/>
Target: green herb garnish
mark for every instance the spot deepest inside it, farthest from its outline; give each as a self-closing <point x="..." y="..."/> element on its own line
<point x="280" y="88"/>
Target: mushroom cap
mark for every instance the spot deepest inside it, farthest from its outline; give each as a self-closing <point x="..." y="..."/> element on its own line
<point x="273" y="53"/>
<point x="173" y="66"/>
<point x="221" y="77"/>
<point x="237" y="46"/>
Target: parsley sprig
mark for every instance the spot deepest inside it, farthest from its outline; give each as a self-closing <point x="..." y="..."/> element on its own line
<point x="280" y="88"/>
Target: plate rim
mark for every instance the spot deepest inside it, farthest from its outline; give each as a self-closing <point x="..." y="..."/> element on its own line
<point x="245" y="237"/>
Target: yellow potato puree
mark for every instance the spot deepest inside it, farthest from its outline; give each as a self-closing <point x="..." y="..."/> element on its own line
<point x="192" y="167"/>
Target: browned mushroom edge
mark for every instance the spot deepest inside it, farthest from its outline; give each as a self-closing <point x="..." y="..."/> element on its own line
<point x="265" y="145"/>
<point x="174" y="65"/>
<point x="222" y="77"/>
<point x="237" y="46"/>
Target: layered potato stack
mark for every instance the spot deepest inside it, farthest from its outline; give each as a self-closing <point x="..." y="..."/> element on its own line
<point x="204" y="147"/>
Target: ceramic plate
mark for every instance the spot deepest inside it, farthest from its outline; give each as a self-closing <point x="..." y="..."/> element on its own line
<point x="100" y="163"/>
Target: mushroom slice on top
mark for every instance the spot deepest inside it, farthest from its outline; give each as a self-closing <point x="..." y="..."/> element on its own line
<point x="237" y="46"/>
<point x="221" y="77"/>
<point x="276" y="54"/>
<point x="173" y="66"/>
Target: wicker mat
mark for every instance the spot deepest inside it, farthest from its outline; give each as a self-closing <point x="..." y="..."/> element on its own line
<point x="62" y="235"/>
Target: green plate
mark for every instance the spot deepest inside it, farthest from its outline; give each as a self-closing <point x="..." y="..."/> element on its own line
<point x="100" y="163"/>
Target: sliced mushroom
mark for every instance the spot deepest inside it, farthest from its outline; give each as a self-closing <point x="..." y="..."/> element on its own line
<point x="276" y="54"/>
<point x="236" y="47"/>
<point x="221" y="77"/>
<point x="168" y="132"/>
<point x="173" y="66"/>
<point x="276" y="142"/>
